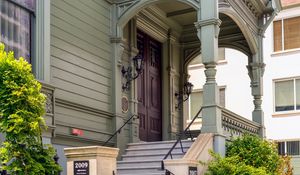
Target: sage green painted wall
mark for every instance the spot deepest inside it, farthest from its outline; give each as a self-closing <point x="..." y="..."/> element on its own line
<point x="81" y="67"/>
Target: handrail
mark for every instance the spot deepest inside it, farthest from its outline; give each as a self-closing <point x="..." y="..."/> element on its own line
<point x="179" y="140"/>
<point x="120" y="129"/>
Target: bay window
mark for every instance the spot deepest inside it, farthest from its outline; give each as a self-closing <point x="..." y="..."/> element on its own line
<point x="17" y="20"/>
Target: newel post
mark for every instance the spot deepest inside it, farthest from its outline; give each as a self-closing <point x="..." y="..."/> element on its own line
<point x="92" y="160"/>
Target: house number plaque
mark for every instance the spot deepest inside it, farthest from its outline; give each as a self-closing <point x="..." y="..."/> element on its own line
<point x="81" y="167"/>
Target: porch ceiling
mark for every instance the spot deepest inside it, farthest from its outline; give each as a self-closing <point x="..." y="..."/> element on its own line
<point x="185" y="16"/>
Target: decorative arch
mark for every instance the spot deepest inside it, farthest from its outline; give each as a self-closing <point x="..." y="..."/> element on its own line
<point x="191" y="55"/>
<point x="127" y="11"/>
<point x="250" y="38"/>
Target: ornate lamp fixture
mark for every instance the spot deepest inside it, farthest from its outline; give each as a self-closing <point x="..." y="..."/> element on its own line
<point x="184" y="95"/>
<point x="127" y="72"/>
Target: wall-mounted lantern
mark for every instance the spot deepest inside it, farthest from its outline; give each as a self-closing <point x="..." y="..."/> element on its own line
<point x="184" y="95"/>
<point x="127" y="73"/>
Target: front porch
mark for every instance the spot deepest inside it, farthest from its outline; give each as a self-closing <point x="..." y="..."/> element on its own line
<point x="185" y="30"/>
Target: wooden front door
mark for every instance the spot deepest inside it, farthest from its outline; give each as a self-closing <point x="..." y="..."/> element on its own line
<point x="149" y="89"/>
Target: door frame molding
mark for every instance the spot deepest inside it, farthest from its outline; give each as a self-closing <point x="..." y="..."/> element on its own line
<point x="159" y="30"/>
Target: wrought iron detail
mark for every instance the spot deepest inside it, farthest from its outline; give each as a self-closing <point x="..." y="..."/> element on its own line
<point x="118" y="131"/>
<point x="49" y="93"/>
<point x="187" y="132"/>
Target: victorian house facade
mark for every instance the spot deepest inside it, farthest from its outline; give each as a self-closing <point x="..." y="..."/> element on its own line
<point x="87" y="55"/>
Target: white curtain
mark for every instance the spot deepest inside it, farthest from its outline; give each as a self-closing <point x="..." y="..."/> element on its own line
<point x="284" y="95"/>
<point x="298" y="93"/>
<point x="15" y="26"/>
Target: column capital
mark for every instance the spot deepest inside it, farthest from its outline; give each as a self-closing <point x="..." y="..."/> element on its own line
<point x="206" y="22"/>
<point x="257" y="65"/>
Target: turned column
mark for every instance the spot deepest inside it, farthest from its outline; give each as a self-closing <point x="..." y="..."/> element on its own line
<point x="256" y="71"/>
<point x="208" y="27"/>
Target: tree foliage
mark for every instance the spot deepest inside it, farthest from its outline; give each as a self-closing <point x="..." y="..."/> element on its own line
<point x="250" y="155"/>
<point x="21" y="118"/>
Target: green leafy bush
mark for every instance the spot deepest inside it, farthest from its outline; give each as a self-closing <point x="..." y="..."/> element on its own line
<point x="21" y="117"/>
<point x="256" y="152"/>
<point x="249" y="155"/>
<point x="232" y="166"/>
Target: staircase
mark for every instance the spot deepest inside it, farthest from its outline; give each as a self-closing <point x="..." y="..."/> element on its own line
<point x="145" y="158"/>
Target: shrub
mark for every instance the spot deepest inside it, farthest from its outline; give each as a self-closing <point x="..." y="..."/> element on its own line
<point x="250" y="155"/>
<point x="232" y="166"/>
<point x="21" y="118"/>
<point x="255" y="152"/>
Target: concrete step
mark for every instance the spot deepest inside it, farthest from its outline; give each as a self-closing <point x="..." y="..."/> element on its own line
<point x="159" y="145"/>
<point x="138" y="163"/>
<point x="145" y="158"/>
<point x="150" y="156"/>
<point x="165" y="150"/>
<point x="134" y="170"/>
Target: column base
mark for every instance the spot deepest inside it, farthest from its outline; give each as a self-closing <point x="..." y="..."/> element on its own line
<point x="219" y="144"/>
<point x="258" y="117"/>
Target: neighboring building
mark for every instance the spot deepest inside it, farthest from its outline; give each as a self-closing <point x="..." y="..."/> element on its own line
<point x="233" y="80"/>
<point x="282" y="81"/>
<point x="81" y="51"/>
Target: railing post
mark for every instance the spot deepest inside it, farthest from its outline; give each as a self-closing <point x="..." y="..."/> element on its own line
<point x="98" y="159"/>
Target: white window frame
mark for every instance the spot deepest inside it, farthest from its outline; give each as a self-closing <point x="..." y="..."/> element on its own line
<point x="283" y="50"/>
<point x="295" y="95"/>
<point x="190" y="106"/>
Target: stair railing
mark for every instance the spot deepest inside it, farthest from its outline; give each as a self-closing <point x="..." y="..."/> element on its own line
<point x="186" y="132"/>
<point x="120" y="129"/>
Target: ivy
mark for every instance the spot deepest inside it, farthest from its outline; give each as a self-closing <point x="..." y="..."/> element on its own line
<point x="21" y="118"/>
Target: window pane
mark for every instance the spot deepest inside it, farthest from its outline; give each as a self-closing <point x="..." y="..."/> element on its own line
<point x="222" y="97"/>
<point x="298" y="94"/>
<point x="277" y="32"/>
<point x="292" y="148"/>
<point x="15" y="29"/>
<point x="30" y="4"/>
<point x="195" y="103"/>
<point x="281" y="148"/>
<point x="291" y="33"/>
<point x="284" y="95"/>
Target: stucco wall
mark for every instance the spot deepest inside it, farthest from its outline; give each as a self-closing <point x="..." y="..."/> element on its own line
<point x="279" y="66"/>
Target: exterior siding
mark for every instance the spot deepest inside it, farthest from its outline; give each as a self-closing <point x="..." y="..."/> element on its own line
<point x="81" y="67"/>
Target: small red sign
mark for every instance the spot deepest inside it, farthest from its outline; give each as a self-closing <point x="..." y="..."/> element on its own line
<point x="77" y="132"/>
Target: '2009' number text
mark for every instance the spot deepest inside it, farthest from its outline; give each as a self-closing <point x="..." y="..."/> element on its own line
<point x="81" y="165"/>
